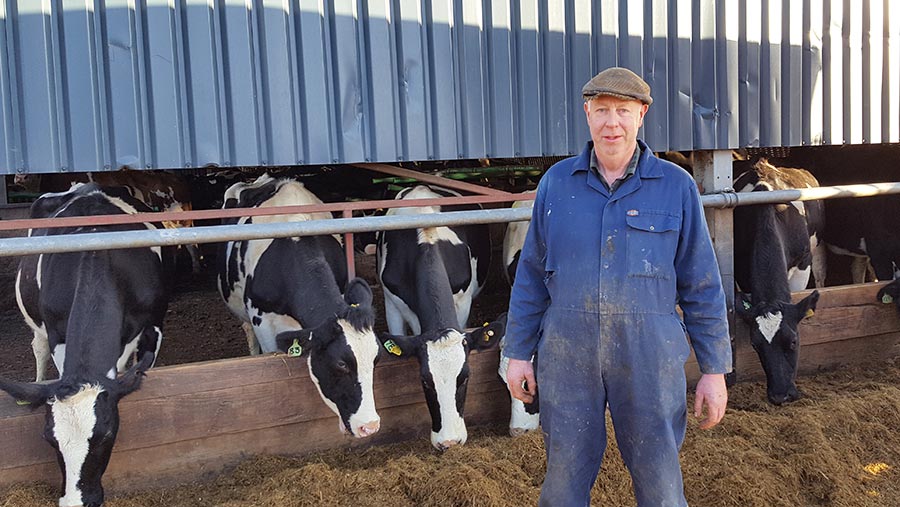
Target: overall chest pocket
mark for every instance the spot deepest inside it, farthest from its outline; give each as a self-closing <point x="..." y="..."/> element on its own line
<point x="652" y="240"/>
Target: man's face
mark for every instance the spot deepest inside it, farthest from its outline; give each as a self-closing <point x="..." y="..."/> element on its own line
<point x="614" y="123"/>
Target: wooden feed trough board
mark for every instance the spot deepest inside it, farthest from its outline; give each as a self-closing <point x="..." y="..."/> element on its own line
<point x="190" y="421"/>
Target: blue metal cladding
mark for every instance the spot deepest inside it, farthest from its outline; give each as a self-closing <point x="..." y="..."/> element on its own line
<point x="156" y="84"/>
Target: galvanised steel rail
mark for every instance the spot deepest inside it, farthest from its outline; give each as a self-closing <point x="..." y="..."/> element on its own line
<point x="220" y="233"/>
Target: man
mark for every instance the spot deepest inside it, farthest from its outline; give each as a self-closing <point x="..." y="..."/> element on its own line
<point x="617" y="239"/>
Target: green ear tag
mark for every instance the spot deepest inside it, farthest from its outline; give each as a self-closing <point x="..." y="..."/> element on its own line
<point x="22" y="403"/>
<point x="747" y="305"/>
<point x="392" y="347"/>
<point x="886" y="298"/>
<point x="295" y="350"/>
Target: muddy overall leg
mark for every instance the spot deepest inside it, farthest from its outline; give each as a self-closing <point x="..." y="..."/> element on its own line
<point x="647" y="402"/>
<point x="573" y="407"/>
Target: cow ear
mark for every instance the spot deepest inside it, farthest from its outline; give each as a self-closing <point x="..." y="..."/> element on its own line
<point x="398" y="345"/>
<point x="486" y="336"/>
<point x="130" y="381"/>
<point x="293" y="343"/>
<point x="28" y="392"/>
<point x="358" y="293"/>
<point x="807" y="306"/>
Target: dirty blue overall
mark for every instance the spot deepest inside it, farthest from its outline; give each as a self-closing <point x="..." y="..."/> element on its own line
<point x="595" y="294"/>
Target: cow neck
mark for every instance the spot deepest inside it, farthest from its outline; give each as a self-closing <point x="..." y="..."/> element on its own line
<point x="94" y="328"/>
<point x="768" y="265"/>
<point x="434" y="296"/>
<point x="318" y="297"/>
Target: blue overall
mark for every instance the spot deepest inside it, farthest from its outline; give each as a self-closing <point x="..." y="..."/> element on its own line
<point x="595" y="294"/>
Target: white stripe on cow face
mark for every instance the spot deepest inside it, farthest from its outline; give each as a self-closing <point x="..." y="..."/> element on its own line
<point x="446" y="358"/>
<point x="768" y="325"/>
<point x="73" y="425"/>
<point x="364" y="344"/>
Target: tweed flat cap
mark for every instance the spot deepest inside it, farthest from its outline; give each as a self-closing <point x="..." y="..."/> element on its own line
<point x="618" y="82"/>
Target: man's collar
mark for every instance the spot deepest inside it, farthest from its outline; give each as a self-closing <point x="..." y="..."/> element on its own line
<point x="583" y="161"/>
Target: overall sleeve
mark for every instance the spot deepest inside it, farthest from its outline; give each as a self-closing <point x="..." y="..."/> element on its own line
<point x="700" y="293"/>
<point x="529" y="298"/>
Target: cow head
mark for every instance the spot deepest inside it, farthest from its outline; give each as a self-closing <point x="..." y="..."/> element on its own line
<point x="776" y="340"/>
<point x="342" y="352"/>
<point x="444" y="371"/>
<point x="81" y="424"/>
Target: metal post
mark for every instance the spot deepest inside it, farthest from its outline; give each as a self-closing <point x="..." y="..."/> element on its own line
<point x="4" y="198"/>
<point x="348" y="249"/>
<point x="712" y="170"/>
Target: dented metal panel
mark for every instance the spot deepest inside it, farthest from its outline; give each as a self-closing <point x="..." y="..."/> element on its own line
<point x="160" y="84"/>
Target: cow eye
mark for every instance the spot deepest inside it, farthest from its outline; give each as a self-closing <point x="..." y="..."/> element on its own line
<point x="342" y="366"/>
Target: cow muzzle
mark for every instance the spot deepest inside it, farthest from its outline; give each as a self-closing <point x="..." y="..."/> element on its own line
<point x="368" y="429"/>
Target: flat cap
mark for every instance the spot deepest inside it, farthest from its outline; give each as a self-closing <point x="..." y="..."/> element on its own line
<point x="618" y="82"/>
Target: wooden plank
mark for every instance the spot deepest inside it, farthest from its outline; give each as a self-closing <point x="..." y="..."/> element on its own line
<point x="187" y="460"/>
<point x="230" y="401"/>
<point x="826" y="355"/>
<point x="843" y="295"/>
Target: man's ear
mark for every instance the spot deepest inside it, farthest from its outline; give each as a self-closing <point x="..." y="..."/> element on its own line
<point x="400" y="346"/>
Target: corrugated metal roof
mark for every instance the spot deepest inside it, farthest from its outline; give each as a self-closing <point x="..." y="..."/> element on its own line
<point x="92" y="85"/>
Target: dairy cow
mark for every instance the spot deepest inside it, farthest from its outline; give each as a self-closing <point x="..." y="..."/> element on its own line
<point x="430" y="277"/>
<point x="523" y="417"/>
<point x="92" y="311"/>
<point x="775" y="247"/>
<point x="289" y="290"/>
<point x="158" y="190"/>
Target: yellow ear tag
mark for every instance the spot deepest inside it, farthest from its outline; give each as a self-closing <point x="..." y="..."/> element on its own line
<point x="22" y="403"/>
<point x="392" y="347"/>
<point x="295" y="350"/>
<point x="354" y="305"/>
<point x="886" y="298"/>
<point x="810" y="313"/>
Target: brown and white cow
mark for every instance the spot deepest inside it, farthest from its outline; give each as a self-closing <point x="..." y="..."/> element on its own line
<point x="159" y="190"/>
<point x="775" y="248"/>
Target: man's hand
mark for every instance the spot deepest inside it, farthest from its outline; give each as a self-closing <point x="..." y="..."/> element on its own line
<point x="519" y="371"/>
<point x="711" y="391"/>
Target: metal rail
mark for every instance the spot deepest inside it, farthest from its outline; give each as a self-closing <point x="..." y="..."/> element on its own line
<point x="219" y="233"/>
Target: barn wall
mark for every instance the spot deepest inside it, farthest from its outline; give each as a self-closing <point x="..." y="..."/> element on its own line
<point x="155" y="84"/>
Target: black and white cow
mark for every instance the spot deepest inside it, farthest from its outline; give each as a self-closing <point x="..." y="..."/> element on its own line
<point x="290" y="288"/>
<point x="866" y="229"/>
<point x="524" y="417"/>
<point x="430" y="277"/>
<point x="93" y="311"/>
<point x="774" y="249"/>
